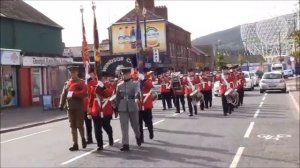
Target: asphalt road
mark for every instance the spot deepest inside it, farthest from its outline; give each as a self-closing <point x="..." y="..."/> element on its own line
<point x="264" y="132"/>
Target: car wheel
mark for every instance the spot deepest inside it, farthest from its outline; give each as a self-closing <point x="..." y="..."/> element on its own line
<point x="284" y="90"/>
<point x="261" y="91"/>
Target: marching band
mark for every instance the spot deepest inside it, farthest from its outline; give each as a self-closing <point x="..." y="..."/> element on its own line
<point x="132" y="99"/>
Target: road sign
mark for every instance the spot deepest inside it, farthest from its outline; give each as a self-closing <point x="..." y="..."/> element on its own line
<point x="156" y="55"/>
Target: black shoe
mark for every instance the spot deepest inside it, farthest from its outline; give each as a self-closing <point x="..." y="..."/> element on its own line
<point x="183" y="109"/>
<point x="225" y="114"/>
<point x="191" y="115"/>
<point x="164" y="109"/>
<point x="89" y="142"/>
<point x="74" y="147"/>
<point x="177" y="112"/>
<point x="139" y="141"/>
<point x="100" y="148"/>
<point x="125" y="148"/>
<point x="111" y="141"/>
<point x="151" y="135"/>
<point x="84" y="144"/>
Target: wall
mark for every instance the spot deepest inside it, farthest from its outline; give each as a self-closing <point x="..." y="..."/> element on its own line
<point x="30" y="37"/>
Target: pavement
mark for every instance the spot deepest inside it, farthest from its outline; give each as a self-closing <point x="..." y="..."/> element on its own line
<point x="293" y="86"/>
<point x="16" y="118"/>
<point x="264" y="132"/>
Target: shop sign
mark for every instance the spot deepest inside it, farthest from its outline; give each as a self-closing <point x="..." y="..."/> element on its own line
<point x="10" y="57"/>
<point x="45" y="61"/>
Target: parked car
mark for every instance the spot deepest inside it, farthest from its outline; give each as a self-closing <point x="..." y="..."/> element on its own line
<point x="272" y="81"/>
<point x="288" y="73"/>
<point x="254" y="78"/>
<point x="156" y="88"/>
<point x="249" y="85"/>
<point x="216" y="88"/>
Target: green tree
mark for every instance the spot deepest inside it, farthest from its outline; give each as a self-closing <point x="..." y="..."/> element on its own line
<point x="220" y="61"/>
<point x="296" y="36"/>
<point x="241" y="59"/>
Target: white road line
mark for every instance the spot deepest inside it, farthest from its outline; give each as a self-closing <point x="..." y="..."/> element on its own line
<point x="247" y="134"/>
<point x="25" y="136"/>
<point x="237" y="157"/>
<point x="256" y="113"/>
<point x="175" y="114"/>
<point x="159" y="121"/>
<point x="85" y="154"/>
<point x="263" y="99"/>
<point x="261" y="103"/>
<point x="294" y="101"/>
<point x="266" y="94"/>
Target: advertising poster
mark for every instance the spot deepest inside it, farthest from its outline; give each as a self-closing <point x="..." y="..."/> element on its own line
<point x="124" y="37"/>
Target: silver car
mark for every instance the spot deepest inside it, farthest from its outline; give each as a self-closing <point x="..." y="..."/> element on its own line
<point x="272" y="81"/>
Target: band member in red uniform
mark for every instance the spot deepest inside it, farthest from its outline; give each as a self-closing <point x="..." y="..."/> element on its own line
<point x="146" y="105"/>
<point x="232" y="83"/>
<point x="165" y="92"/>
<point x="179" y="96"/>
<point x="91" y="82"/>
<point x="222" y="90"/>
<point x="190" y="86"/>
<point x="240" y="87"/>
<point x="101" y="109"/>
<point x="206" y="86"/>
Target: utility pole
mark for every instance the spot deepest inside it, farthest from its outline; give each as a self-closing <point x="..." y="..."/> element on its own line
<point x="279" y="41"/>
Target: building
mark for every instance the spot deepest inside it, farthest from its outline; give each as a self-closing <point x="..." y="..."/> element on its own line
<point x="171" y="41"/>
<point x="32" y="64"/>
<point x="209" y="52"/>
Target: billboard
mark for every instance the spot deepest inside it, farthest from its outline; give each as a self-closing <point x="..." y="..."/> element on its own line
<point x="124" y="39"/>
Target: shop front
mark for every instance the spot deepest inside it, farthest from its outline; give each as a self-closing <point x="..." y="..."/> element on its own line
<point x="9" y="60"/>
<point x="46" y="77"/>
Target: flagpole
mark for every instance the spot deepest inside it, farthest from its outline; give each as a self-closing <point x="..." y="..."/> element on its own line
<point x="84" y="50"/>
<point x="97" y="56"/>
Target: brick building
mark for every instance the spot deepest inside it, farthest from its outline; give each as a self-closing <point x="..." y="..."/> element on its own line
<point x="172" y="41"/>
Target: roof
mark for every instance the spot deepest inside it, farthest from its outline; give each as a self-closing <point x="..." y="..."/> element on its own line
<point x="19" y="10"/>
<point x="207" y="49"/>
<point x="131" y="17"/>
<point x="198" y="51"/>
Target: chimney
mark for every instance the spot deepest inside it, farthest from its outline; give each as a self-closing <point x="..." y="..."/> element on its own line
<point x="148" y="4"/>
<point x="162" y="11"/>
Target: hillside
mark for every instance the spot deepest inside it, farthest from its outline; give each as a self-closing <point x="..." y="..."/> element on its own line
<point x="231" y="40"/>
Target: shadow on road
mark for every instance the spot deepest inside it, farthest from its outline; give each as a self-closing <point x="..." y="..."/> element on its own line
<point x="187" y="133"/>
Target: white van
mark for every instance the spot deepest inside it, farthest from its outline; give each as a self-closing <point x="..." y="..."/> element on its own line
<point x="277" y="68"/>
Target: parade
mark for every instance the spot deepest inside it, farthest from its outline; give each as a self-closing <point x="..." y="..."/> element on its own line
<point x="149" y="83"/>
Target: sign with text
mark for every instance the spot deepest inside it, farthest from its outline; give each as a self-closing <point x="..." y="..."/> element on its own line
<point x="124" y="37"/>
<point x="45" y="61"/>
<point x="10" y="57"/>
<point x="156" y="55"/>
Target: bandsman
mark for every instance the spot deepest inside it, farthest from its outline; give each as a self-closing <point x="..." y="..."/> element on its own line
<point x="72" y="97"/>
<point x="190" y="86"/>
<point x="206" y="83"/>
<point x="128" y="95"/>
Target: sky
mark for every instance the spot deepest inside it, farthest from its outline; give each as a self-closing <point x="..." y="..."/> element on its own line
<point x="199" y="17"/>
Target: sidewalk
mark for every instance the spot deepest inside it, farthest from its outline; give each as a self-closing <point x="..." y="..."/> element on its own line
<point x="293" y="91"/>
<point x="18" y="118"/>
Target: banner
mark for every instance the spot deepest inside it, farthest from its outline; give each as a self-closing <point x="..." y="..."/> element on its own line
<point x="124" y="37"/>
<point x="111" y="63"/>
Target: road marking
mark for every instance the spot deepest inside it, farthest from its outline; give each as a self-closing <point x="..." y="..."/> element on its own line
<point x="256" y="113"/>
<point x="263" y="99"/>
<point x="261" y="103"/>
<point x="274" y="137"/>
<point x="294" y="101"/>
<point x="266" y="94"/>
<point x="85" y="154"/>
<point x="159" y="121"/>
<point x="175" y="114"/>
<point x="247" y="134"/>
<point x="25" y="136"/>
<point x="237" y="157"/>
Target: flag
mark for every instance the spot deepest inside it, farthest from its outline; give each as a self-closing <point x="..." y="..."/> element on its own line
<point x="85" y="50"/>
<point x="97" y="55"/>
<point x="139" y="59"/>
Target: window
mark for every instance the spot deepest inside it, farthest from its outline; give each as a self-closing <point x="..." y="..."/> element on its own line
<point x="36" y="83"/>
<point x="272" y="76"/>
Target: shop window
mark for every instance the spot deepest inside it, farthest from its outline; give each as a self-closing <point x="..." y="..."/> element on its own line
<point x="8" y="87"/>
<point x="36" y="84"/>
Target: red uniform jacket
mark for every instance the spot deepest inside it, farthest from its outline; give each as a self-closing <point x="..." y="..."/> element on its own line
<point x="182" y="91"/>
<point x="240" y="83"/>
<point x="188" y="90"/>
<point x="78" y="87"/>
<point x="90" y="84"/>
<point x="103" y="105"/>
<point x="165" y="87"/>
<point x="147" y="96"/>
<point x="231" y="80"/>
<point x="206" y="84"/>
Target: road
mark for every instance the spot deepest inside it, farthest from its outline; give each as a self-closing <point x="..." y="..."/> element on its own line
<point x="264" y="132"/>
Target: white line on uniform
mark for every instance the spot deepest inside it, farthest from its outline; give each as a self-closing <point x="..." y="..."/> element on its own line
<point x="237" y="157"/>
<point x="247" y="134"/>
<point x="85" y="154"/>
<point x="159" y="121"/>
<point x="256" y="113"/>
<point x="25" y="136"/>
<point x="261" y="103"/>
